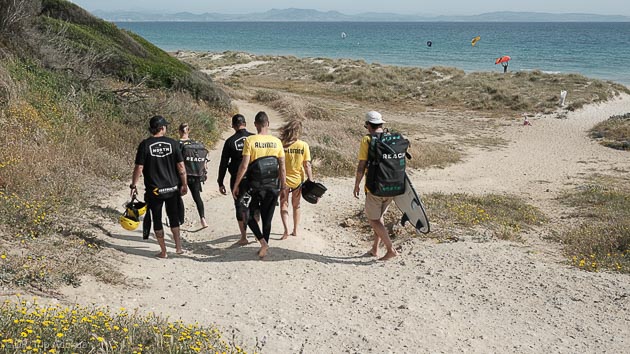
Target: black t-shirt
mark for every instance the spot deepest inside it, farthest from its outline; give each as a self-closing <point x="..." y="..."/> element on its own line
<point x="159" y="157"/>
<point x="232" y="154"/>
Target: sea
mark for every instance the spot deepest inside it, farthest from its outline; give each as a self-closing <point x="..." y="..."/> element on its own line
<point x="594" y="49"/>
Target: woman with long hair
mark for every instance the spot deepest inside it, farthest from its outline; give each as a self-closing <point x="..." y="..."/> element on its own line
<point x="194" y="182"/>
<point x="298" y="166"/>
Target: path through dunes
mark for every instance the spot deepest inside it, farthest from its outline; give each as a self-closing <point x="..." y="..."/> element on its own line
<point x="318" y="292"/>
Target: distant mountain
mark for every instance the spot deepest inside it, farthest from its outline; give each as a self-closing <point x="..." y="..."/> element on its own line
<point x="508" y="16"/>
<point x="306" y="15"/>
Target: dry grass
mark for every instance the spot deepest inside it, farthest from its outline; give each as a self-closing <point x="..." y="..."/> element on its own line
<point x="334" y="135"/>
<point x="614" y="132"/>
<point x="601" y="235"/>
<point x="61" y="144"/>
<point x="438" y="87"/>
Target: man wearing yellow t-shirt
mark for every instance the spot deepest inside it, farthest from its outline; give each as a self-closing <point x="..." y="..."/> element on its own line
<point x="264" y="199"/>
<point x="298" y="164"/>
<point x="375" y="206"/>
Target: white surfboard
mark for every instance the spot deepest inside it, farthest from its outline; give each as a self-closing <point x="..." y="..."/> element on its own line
<point x="412" y="208"/>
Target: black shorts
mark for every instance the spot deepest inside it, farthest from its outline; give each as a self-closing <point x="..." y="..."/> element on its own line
<point x="172" y="210"/>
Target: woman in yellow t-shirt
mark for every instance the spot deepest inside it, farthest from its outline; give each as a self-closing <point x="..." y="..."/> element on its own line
<point x="298" y="165"/>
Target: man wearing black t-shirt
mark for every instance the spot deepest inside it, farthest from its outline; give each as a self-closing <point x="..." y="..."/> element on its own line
<point x="231" y="158"/>
<point x="160" y="160"/>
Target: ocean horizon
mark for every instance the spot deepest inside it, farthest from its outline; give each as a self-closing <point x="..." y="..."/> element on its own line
<point x="593" y="49"/>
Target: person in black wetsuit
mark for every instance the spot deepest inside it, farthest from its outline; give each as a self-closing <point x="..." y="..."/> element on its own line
<point x="231" y="158"/>
<point x="263" y="163"/>
<point x="194" y="182"/>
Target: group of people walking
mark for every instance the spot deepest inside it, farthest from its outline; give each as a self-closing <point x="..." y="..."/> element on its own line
<point x="262" y="169"/>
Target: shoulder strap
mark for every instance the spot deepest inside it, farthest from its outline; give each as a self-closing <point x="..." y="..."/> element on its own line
<point x="376" y="138"/>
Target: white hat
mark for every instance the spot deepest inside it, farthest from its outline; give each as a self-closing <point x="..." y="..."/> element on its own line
<point x="373" y="117"/>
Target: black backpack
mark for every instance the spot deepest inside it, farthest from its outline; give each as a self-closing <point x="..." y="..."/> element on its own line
<point x="195" y="155"/>
<point x="386" y="164"/>
<point x="263" y="173"/>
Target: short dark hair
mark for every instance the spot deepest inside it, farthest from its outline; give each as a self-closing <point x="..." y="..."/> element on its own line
<point x="261" y="118"/>
<point x="238" y="120"/>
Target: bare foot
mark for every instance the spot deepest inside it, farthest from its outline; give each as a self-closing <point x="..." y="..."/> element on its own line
<point x="242" y="242"/>
<point x="161" y="255"/>
<point x="203" y="223"/>
<point x="284" y="236"/>
<point x="181" y="252"/>
<point x="263" y="251"/>
<point x="294" y="233"/>
<point x="373" y="252"/>
<point x="388" y="255"/>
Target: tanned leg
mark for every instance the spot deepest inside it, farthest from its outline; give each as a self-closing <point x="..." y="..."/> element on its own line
<point x="295" y="202"/>
<point x="177" y="239"/>
<point x="284" y="212"/>
<point x="381" y="231"/>
<point x="159" y="235"/>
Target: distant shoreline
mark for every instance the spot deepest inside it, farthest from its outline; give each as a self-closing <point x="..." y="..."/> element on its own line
<point x="308" y="15"/>
<point x="404" y="44"/>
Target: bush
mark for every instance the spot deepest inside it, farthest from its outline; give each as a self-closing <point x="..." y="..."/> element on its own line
<point x="601" y="237"/>
<point x="614" y="132"/>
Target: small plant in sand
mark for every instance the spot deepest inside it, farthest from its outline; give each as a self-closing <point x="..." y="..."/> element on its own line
<point x="27" y="327"/>
<point x="601" y="237"/>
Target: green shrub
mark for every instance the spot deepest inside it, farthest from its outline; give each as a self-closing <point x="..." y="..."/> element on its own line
<point x="601" y="237"/>
<point x="614" y="132"/>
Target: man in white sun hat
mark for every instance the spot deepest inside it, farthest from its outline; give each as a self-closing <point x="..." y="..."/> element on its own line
<point x="375" y="206"/>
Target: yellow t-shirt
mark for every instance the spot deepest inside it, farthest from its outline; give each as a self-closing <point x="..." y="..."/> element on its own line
<point x="364" y="148"/>
<point x="257" y="146"/>
<point x="295" y="155"/>
<point x="364" y="151"/>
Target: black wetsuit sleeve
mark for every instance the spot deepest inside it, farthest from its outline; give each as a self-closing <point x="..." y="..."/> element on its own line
<point x="223" y="165"/>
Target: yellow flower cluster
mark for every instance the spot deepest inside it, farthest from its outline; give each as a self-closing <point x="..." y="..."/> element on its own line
<point x="32" y="216"/>
<point x="27" y="118"/>
<point x="31" y="328"/>
<point x="611" y="261"/>
<point x="9" y="161"/>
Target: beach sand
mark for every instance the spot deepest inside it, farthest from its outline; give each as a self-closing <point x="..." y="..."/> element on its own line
<point x="318" y="293"/>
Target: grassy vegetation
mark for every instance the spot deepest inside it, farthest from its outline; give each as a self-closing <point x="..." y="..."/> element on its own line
<point x="453" y="215"/>
<point x="73" y="107"/>
<point x="437" y="87"/>
<point x="503" y="216"/>
<point x="334" y="136"/>
<point x="64" y="29"/>
<point x="600" y="238"/>
<point x="33" y="328"/>
<point x="62" y="144"/>
<point x="614" y="132"/>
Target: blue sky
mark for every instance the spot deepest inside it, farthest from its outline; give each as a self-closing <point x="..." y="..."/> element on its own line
<point x="453" y="7"/>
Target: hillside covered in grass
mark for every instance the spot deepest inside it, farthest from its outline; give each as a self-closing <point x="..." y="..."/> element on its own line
<point x="76" y="94"/>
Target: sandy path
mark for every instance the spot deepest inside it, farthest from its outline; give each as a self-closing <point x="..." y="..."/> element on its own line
<point x="316" y="293"/>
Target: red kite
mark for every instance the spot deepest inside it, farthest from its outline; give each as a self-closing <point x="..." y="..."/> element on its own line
<point x="503" y="59"/>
